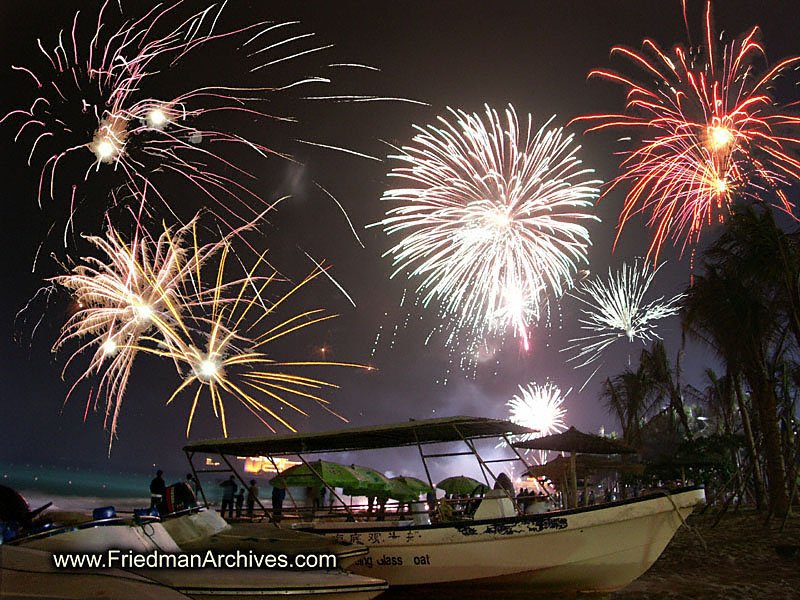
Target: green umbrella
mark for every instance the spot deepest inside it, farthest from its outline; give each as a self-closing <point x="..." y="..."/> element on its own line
<point x="330" y="473"/>
<point x="400" y="492"/>
<point x="462" y="485"/>
<point x="415" y="485"/>
<point x="371" y="483"/>
<point x="376" y="484"/>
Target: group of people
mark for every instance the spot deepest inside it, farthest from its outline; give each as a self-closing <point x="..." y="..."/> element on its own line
<point x="527" y="497"/>
<point x="234" y="495"/>
<point x="233" y="498"/>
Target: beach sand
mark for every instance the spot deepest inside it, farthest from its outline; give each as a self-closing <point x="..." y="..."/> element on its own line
<point x="741" y="561"/>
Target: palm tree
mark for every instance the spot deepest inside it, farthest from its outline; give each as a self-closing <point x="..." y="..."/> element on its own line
<point x="738" y="320"/>
<point x="665" y="382"/>
<point x="768" y="259"/>
<point x="629" y="397"/>
<point x="766" y="256"/>
<point x="719" y="396"/>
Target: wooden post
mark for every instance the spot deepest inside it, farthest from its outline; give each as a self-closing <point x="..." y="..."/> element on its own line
<point x="585" y="490"/>
<point x="573" y="480"/>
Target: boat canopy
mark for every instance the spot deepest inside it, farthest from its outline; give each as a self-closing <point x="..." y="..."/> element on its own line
<point x="426" y="431"/>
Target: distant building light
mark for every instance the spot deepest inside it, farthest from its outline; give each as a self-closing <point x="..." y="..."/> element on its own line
<point x="262" y="464"/>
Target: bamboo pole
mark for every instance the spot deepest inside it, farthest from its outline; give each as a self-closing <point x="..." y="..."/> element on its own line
<point x="573" y="480"/>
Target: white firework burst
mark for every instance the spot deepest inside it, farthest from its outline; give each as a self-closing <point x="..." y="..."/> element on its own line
<point x="493" y="219"/>
<point x="615" y="309"/>
<point x="539" y="407"/>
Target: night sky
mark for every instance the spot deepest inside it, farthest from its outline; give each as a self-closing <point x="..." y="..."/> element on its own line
<point x="534" y="55"/>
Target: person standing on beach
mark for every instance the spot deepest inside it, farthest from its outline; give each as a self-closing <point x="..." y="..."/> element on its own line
<point x="239" y="503"/>
<point x="228" y="490"/>
<point x="278" y="494"/>
<point x="192" y="483"/>
<point x="252" y="496"/>
<point x="158" y="490"/>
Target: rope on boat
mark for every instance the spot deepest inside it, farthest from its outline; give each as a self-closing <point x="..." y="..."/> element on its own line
<point x="668" y="494"/>
<point x="149" y="536"/>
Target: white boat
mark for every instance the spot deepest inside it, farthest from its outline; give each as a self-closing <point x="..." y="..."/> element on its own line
<point x="262" y="584"/>
<point x="30" y="574"/>
<point x="593" y="549"/>
<point x="98" y="536"/>
<point x="597" y="549"/>
<point x="199" y="532"/>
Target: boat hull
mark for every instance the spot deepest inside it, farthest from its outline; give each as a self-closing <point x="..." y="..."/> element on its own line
<point x="601" y="548"/>
<point x="194" y="527"/>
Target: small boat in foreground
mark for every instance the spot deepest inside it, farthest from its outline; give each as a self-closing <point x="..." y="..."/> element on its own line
<point x="104" y="530"/>
<point x="31" y="574"/>
<point x="27" y="566"/>
<point x="598" y="548"/>
<point x="230" y="584"/>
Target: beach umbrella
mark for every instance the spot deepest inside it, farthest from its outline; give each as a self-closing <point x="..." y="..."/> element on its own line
<point x="317" y="473"/>
<point x="371" y="483"/>
<point x="415" y="485"/>
<point x="401" y="492"/>
<point x="575" y="441"/>
<point x="462" y="485"/>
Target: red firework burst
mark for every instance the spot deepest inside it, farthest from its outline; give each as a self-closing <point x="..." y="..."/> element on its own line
<point x="710" y="132"/>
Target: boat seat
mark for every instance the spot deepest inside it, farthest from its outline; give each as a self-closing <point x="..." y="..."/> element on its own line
<point x="64" y="517"/>
<point x="495" y="505"/>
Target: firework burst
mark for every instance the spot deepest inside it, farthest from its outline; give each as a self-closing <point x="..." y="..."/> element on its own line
<point x="539" y="407"/>
<point x="493" y="220"/>
<point x="91" y="115"/>
<point x="226" y="355"/>
<point x="148" y="297"/>
<point x="134" y="289"/>
<point x="709" y="134"/>
<point x="615" y="309"/>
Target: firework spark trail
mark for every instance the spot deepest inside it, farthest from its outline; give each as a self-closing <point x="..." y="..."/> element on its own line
<point x="227" y="355"/>
<point x="539" y="407"/>
<point x="615" y="309"/>
<point x="149" y="296"/>
<point x="493" y="220"/>
<point x="710" y="133"/>
<point x="134" y="288"/>
<point x="105" y="76"/>
<point x="90" y="96"/>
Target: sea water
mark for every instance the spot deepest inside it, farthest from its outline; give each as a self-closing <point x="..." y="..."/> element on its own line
<point x="81" y="489"/>
<point x="74" y="489"/>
